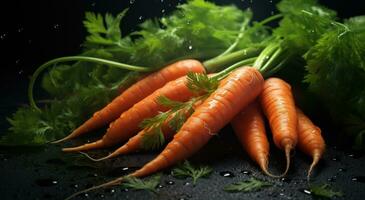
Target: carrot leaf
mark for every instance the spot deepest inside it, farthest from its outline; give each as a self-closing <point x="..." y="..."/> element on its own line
<point x="324" y="191"/>
<point x="185" y="170"/>
<point x="201" y="83"/>
<point x="149" y="184"/>
<point x="250" y="185"/>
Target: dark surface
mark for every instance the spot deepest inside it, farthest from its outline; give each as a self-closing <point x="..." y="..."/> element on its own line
<point x="48" y="173"/>
<point x="33" y="32"/>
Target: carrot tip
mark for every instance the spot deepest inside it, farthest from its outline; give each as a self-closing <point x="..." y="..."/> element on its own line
<point x="316" y="158"/>
<point x="96" y="159"/>
<point x="61" y="140"/>
<point x="287" y="156"/>
<point x="107" y="184"/>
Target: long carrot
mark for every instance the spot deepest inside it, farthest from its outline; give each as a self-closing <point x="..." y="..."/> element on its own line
<point x="310" y="140"/>
<point x="234" y="93"/>
<point x="128" y="123"/>
<point x="278" y="105"/>
<point x="134" y="94"/>
<point x="249" y="127"/>
<point x="135" y="143"/>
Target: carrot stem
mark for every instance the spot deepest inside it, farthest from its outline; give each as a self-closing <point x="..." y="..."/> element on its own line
<point x="77" y="58"/>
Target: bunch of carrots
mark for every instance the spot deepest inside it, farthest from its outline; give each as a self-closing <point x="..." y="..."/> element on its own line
<point x="238" y="95"/>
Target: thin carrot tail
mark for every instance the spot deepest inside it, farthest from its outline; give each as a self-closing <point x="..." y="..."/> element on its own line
<point x="263" y="163"/>
<point x="122" y="150"/>
<point x="88" y="146"/>
<point x="65" y="138"/>
<point x="107" y="184"/>
<point x="287" y="156"/>
<point x="84" y="128"/>
<point x="316" y="158"/>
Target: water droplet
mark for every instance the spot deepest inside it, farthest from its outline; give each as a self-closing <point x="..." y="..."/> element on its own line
<point x="163" y="11"/>
<point x="272" y="12"/>
<point x="56" y="26"/>
<point x="161" y="1"/>
<point x="190" y="47"/>
<point x="187" y="183"/>
<point x="227" y="174"/>
<point x="305" y="191"/>
<point x="246" y="172"/>
<point x="270" y="1"/>
<point x="342" y="169"/>
<point x="160" y="186"/>
<point x="355" y="155"/>
<point x="140" y="18"/>
<point x="109" y="190"/>
<point x="21" y="29"/>
<point x="360" y="179"/>
<point x="47" y="182"/>
<point x="126" y="190"/>
<point x="3" y="36"/>
<point x="131" y="1"/>
<point x="335" y="159"/>
<point x="101" y="196"/>
<point x="281" y="194"/>
<point x="169" y="182"/>
<point x="86" y="195"/>
<point x="286" y="180"/>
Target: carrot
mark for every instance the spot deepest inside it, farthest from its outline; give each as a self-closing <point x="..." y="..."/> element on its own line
<point x="234" y="93"/>
<point x="134" y="94"/>
<point x="135" y="143"/>
<point x="249" y="127"/>
<point x="310" y="140"/>
<point x="278" y="105"/>
<point x="128" y="123"/>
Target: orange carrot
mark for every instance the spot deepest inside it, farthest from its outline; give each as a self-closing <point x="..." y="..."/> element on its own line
<point x="134" y="143"/>
<point x="134" y="94"/>
<point x="310" y="140"/>
<point x="278" y="105"/>
<point x="128" y="123"/>
<point x="249" y="127"/>
<point x="234" y="93"/>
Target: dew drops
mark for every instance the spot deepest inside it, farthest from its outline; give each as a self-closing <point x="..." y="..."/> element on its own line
<point x="331" y="179"/>
<point x="131" y="1"/>
<point x="56" y="26"/>
<point x="47" y="182"/>
<point x="305" y="191"/>
<point x="227" y="174"/>
<point x="20" y="29"/>
<point x="140" y="18"/>
<point x="170" y="182"/>
<point x="75" y="186"/>
<point x="160" y="186"/>
<point x="163" y="11"/>
<point x="272" y="12"/>
<point x="246" y="172"/>
<point x="3" y="36"/>
<point x="285" y="180"/>
<point x="342" y="170"/>
<point x="187" y="184"/>
<point x="190" y="47"/>
<point x="360" y="179"/>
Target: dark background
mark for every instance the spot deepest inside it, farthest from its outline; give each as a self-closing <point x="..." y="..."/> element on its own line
<point x="33" y="32"/>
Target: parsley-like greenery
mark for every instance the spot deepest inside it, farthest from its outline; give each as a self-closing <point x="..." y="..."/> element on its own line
<point x="149" y="184"/>
<point x="250" y="185"/>
<point x="324" y="191"/>
<point x="186" y="170"/>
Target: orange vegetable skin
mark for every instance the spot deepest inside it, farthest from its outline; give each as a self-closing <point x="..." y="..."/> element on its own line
<point x="310" y="140"/>
<point x="249" y="128"/>
<point x="278" y="105"/>
<point x="134" y="94"/>
<point x="127" y="125"/>
<point x="234" y="93"/>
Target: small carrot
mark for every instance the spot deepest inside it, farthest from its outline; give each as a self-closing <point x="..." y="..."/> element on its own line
<point x="249" y="127"/>
<point x="134" y="94"/>
<point x="278" y="105"/>
<point x="310" y="140"/>
<point x="234" y="93"/>
<point x="135" y="143"/>
<point x="128" y="123"/>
